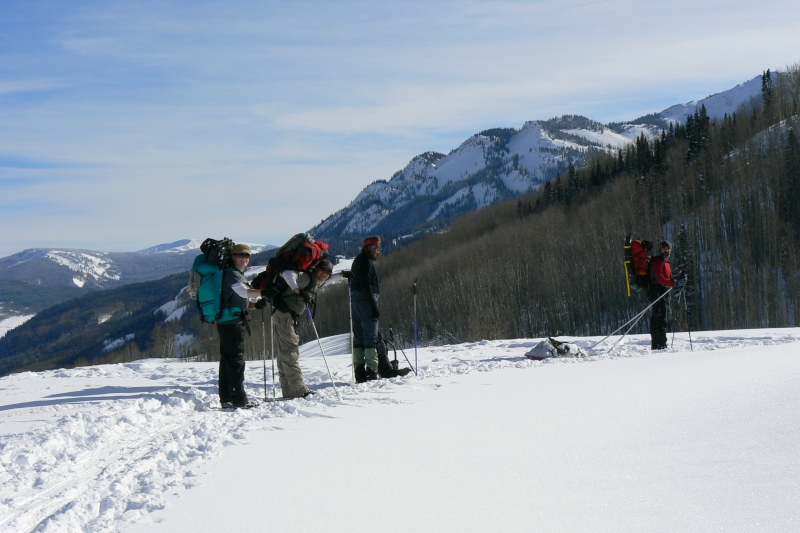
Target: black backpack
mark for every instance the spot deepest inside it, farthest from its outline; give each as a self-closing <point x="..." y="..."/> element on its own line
<point x="386" y="368"/>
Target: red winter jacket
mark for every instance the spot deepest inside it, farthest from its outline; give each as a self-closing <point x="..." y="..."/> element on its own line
<point x="661" y="272"/>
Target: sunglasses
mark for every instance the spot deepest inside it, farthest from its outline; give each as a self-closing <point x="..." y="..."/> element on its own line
<point x="242" y="255"/>
<point x="373" y="247"/>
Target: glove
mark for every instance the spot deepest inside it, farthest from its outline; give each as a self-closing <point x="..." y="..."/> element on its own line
<point x="347" y="274"/>
<point x="681" y="283"/>
<point x="376" y="314"/>
<point x="262" y="303"/>
<point x="307" y="297"/>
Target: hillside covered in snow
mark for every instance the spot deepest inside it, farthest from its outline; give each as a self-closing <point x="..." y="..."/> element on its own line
<point x="501" y="163"/>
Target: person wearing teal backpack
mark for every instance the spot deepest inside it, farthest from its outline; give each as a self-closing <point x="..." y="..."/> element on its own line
<point x="231" y="323"/>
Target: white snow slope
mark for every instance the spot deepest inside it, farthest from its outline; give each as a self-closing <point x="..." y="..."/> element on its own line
<point x="717" y="105"/>
<point x="11" y="322"/>
<point x="482" y="440"/>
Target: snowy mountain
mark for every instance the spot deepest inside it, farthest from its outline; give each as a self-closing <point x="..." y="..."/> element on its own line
<point x="501" y="163"/>
<point x="101" y="270"/>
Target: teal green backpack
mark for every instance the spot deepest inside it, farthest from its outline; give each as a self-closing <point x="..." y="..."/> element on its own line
<point x="205" y="278"/>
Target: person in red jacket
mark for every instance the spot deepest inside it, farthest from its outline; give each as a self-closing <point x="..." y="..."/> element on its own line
<point x="660" y="282"/>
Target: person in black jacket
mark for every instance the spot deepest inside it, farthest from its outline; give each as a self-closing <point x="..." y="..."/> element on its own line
<point x="366" y="287"/>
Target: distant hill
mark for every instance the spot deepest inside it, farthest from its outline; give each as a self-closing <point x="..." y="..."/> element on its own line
<point x="82" y="328"/>
<point x="91" y="326"/>
<point x="90" y="269"/>
<point x="35" y="279"/>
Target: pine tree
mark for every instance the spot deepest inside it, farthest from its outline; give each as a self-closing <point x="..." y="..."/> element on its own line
<point x="684" y="267"/>
<point x="766" y="88"/>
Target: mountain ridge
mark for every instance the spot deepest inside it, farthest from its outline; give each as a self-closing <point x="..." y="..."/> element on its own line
<point x="499" y="164"/>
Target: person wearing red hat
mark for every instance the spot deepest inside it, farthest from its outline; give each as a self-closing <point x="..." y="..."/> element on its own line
<point x="365" y="290"/>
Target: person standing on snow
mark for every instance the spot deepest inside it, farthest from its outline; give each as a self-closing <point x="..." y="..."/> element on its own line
<point x="366" y="287"/>
<point x="231" y="324"/>
<point x="301" y="290"/>
<point x="660" y="282"/>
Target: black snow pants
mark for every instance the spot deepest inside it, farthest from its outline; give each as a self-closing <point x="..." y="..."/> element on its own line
<point x="365" y="328"/>
<point x="659" y="321"/>
<point x="231" y="363"/>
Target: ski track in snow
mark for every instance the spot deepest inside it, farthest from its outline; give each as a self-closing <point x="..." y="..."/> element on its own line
<point x="98" y="458"/>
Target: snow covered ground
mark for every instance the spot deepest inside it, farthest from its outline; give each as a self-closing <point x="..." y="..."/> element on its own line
<point x="482" y="440"/>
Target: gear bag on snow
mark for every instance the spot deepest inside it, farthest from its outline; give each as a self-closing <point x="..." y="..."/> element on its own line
<point x="638" y="254"/>
<point x="386" y="368"/>
<point x="205" y="278"/>
<point x="301" y="253"/>
<point x="551" y="347"/>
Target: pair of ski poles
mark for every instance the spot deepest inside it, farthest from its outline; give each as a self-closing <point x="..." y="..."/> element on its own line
<point x="635" y="320"/>
<point x="272" y="353"/>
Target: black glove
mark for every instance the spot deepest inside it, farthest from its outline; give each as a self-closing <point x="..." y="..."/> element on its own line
<point x="347" y="274"/>
<point x="262" y="303"/>
<point x="376" y="314"/>
<point x="307" y="297"/>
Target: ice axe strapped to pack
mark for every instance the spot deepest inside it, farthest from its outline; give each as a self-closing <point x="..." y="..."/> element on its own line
<point x="301" y="253"/>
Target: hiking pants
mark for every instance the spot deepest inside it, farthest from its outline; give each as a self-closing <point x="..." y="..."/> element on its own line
<point x="288" y="356"/>
<point x="658" y="317"/>
<point x="231" y="363"/>
<point x="365" y="328"/>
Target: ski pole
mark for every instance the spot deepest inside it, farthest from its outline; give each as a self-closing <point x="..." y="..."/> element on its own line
<point x="686" y="310"/>
<point x="416" y="363"/>
<point x="352" y="348"/>
<point x="323" y="353"/>
<point x="264" y="351"/>
<point x="639" y="318"/>
<point x="680" y="295"/>
<point x="623" y="325"/>
<point x="672" y="319"/>
<point x="272" y="347"/>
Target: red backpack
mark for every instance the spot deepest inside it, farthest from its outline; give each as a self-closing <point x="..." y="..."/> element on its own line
<point x="637" y="263"/>
<point x="302" y="253"/>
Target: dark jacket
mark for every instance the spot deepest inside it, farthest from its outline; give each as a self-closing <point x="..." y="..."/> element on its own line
<point x="233" y="306"/>
<point x="365" y="277"/>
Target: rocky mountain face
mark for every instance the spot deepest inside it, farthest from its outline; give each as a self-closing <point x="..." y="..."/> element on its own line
<point x="499" y="164"/>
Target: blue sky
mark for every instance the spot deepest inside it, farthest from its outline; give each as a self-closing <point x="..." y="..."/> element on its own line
<point x="128" y="124"/>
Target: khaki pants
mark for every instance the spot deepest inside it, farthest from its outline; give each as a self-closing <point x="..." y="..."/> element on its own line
<point x="288" y="356"/>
